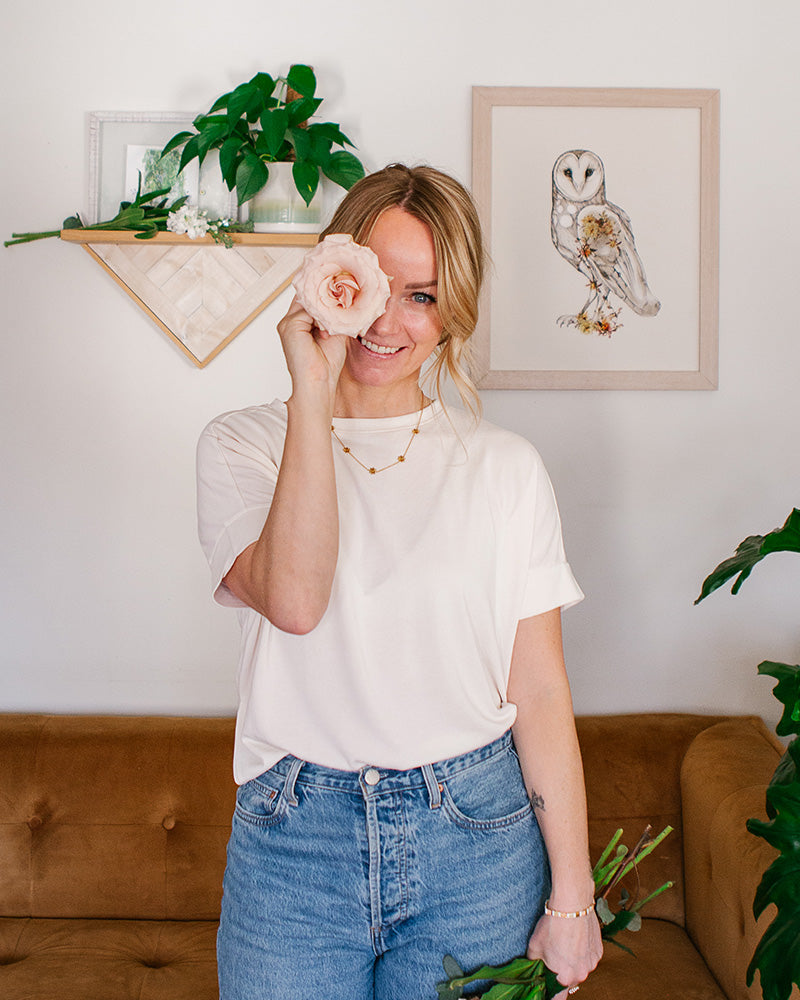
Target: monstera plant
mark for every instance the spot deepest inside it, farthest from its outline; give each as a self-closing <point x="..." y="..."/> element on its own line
<point x="777" y="956"/>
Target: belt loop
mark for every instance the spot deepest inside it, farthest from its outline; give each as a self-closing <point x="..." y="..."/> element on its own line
<point x="433" y="786"/>
<point x="291" y="778"/>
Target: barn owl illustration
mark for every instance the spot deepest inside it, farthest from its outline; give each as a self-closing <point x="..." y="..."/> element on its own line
<point x="596" y="238"/>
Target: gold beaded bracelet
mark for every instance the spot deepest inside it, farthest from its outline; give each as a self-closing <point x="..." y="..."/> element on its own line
<point x="568" y="915"/>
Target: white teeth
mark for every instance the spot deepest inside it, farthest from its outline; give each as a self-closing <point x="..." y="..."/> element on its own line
<point x="376" y="348"/>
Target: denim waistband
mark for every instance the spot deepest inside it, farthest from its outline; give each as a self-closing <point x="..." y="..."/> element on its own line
<point x="383" y="779"/>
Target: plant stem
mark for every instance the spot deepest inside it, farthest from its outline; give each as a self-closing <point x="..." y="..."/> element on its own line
<point x="30" y="237"/>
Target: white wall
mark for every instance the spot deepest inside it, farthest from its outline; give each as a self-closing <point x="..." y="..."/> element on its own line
<point x="104" y="600"/>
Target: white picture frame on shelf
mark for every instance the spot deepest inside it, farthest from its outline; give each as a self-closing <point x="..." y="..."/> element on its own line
<point x="119" y="142"/>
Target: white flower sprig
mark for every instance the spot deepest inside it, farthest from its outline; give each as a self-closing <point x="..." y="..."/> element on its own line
<point x="194" y="223"/>
<point x="189" y="220"/>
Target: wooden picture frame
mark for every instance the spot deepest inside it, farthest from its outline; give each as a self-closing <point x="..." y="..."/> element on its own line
<point x="607" y="197"/>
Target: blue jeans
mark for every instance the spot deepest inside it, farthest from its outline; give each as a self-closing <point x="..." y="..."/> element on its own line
<point x="348" y="885"/>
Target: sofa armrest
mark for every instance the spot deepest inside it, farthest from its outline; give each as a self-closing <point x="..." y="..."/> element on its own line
<point x="723" y="782"/>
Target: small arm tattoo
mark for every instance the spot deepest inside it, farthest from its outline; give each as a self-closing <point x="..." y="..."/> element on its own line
<point x="536" y="800"/>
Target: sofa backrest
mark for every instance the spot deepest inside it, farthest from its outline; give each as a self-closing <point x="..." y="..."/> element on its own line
<point x="114" y="816"/>
<point x="632" y="765"/>
<point x="128" y="817"/>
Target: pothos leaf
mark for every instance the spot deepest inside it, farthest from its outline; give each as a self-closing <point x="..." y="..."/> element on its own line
<point x="301" y="78"/>
<point x="306" y="179"/>
<point x="251" y="175"/>
<point x="343" y="169"/>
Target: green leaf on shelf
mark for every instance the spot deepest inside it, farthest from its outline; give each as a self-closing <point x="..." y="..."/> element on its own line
<point x="265" y="84"/>
<point x="301" y="78"/>
<point x="241" y="100"/>
<point x="343" y="168"/>
<point x="229" y="157"/>
<point x="331" y="132"/>
<point x="274" y="122"/>
<point x="175" y="141"/>
<point x="251" y="176"/>
<point x="306" y="179"/>
<point x="190" y="150"/>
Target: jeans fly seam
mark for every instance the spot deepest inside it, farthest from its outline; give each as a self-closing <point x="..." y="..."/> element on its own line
<point x="374" y="845"/>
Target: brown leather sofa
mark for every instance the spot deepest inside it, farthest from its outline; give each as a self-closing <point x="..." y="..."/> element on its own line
<point x="113" y="833"/>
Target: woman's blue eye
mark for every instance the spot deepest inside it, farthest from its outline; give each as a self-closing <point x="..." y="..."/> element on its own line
<point x="423" y="298"/>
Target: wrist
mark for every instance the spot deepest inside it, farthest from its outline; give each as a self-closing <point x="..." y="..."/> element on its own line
<point x="311" y="403"/>
<point x="571" y="895"/>
<point x="584" y="911"/>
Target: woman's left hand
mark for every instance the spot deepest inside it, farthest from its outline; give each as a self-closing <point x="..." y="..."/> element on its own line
<point x="570" y="948"/>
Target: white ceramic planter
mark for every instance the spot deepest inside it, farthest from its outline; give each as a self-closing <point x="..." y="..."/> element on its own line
<point x="278" y="207"/>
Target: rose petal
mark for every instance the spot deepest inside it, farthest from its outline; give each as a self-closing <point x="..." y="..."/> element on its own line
<point x="341" y="286"/>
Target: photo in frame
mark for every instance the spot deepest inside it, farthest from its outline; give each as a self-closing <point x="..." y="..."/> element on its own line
<point x="121" y="143"/>
<point x="600" y="209"/>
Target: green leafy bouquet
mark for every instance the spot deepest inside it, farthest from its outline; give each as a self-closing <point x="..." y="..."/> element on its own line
<point x="530" y="979"/>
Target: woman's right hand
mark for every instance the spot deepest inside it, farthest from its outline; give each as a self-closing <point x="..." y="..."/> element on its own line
<point x="314" y="357"/>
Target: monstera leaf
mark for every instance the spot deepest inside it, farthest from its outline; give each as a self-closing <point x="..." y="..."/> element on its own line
<point x="751" y="551"/>
<point x="777" y="956"/>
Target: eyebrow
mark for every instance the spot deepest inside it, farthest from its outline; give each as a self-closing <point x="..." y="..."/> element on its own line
<point x="422" y="284"/>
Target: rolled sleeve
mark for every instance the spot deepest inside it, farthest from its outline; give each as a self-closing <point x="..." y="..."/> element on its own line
<point x="236" y="476"/>
<point x="233" y="540"/>
<point x="549" y="587"/>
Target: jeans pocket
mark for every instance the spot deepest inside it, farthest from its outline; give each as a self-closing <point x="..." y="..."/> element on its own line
<point x="489" y="795"/>
<point x="260" y="803"/>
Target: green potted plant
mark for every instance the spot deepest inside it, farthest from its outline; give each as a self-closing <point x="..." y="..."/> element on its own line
<point x="263" y="123"/>
<point x="777" y="956"/>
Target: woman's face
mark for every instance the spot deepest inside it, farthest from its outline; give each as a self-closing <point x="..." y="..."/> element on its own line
<point x="391" y="353"/>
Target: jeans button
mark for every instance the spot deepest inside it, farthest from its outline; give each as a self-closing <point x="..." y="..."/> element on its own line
<point x="372" y="776"/>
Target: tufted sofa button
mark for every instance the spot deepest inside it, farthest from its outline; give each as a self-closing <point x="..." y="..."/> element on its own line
<point x="168" y="822"/>
<point x="35" y="822"/>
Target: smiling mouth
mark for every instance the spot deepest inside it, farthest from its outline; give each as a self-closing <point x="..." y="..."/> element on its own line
<point x="377" y="348"/>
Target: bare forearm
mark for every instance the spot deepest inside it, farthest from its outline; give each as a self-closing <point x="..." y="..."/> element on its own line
<point x="545" y="738"/>
<point x="297" y="552"/>
<point x="551" y="767"/>
<point x="544" y="735"/>
<point x="287" y="574"/>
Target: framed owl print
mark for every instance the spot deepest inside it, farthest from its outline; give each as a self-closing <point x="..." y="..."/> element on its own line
<point x="601" y="209"/>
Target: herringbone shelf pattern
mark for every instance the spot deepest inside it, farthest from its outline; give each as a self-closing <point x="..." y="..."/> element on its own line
<point x="202" y="295"/>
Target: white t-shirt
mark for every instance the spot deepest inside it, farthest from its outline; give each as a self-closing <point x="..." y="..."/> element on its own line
<point x="439" y="558"/>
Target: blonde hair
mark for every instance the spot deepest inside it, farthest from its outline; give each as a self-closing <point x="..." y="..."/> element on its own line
<point x="448" y="210"/>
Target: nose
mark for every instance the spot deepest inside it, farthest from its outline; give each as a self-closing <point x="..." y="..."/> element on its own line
<point x="386" y="321"/>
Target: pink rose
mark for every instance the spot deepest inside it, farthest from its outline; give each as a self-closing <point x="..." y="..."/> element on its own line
<point x="341" y="286"/>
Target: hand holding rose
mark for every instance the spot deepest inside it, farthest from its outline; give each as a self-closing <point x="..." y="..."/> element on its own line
<point x="341" y="286"/>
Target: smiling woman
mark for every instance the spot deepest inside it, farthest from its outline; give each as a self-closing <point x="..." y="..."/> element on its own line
<point x="380" y="376"/>
<point x="399" y="574"/>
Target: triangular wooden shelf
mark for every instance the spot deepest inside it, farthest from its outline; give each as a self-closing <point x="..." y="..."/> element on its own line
<point x="199" y="293"/>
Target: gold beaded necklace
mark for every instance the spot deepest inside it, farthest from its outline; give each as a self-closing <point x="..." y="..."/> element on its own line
<point x="400" y="458"/>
